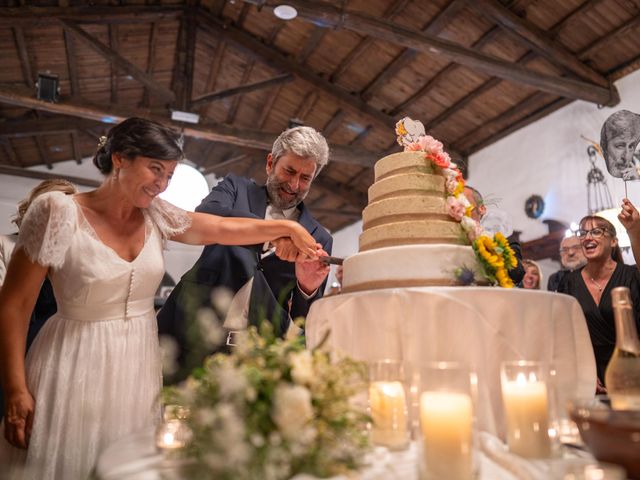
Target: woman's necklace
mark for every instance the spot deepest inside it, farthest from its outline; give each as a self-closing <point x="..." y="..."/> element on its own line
<point x="598" y="286"/>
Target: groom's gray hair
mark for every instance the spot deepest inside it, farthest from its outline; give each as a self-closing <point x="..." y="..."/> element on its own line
<point x="305" y="142"/>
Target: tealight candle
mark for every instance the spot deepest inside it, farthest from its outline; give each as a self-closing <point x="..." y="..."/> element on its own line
<point x="172" y="435"/>
<point x="389" y="413"/>
<point x="446" y="420"/>
<point x="525" y="401"/>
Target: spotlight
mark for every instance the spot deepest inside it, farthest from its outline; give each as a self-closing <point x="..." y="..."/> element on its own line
<point x="285" y="12"/>
<point x="47" y="87"/>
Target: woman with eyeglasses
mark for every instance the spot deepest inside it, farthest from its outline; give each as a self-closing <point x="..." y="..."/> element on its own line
<point x="591" y="285"/>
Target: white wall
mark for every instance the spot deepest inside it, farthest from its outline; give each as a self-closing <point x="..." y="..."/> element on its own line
<point x="547" y="158"/>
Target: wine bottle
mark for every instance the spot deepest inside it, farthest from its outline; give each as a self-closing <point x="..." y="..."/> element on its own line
<point x="622" y="376"/>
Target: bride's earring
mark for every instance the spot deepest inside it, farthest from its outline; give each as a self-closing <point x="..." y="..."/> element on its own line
<point x="116" y="173"/>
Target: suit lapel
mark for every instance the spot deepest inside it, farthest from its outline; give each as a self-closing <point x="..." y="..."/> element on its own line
<point x="306" y="220"/>
<point x="257" y="199"/>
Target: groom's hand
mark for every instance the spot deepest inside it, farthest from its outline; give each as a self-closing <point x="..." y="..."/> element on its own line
<point x="311" y="274"/>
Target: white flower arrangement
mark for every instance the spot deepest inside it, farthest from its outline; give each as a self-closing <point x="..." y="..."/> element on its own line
<point x="272" y="410"/>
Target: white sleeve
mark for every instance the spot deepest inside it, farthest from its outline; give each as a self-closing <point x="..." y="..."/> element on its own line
<point x="169" y="219"/>
<point x="47" y="229"/>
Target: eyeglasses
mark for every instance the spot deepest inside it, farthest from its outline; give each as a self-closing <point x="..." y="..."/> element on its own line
<point x="575" y="248"/>
<point x="594" y="232"/>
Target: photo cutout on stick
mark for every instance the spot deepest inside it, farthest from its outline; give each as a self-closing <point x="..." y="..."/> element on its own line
<point x="619" y="139"/>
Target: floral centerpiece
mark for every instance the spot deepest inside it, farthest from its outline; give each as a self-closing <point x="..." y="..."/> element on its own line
<point x="271" y="410"/>
<point x="494" y="255"/>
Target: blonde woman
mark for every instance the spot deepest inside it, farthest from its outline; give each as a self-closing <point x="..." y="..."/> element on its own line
<point x="532" y="275"/>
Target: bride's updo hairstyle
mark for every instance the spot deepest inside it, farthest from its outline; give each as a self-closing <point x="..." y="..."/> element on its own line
<point x="135" y="137"/>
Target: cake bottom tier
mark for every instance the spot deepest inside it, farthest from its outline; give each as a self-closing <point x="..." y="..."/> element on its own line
<point x="407" y="266"/>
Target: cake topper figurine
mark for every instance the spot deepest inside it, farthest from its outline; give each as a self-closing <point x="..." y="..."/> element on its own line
<point x="409" y="131"/>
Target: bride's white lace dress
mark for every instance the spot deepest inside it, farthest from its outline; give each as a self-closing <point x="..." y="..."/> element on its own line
<point x="94" y="369"/>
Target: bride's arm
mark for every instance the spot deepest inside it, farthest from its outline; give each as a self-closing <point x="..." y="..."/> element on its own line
<point x="17" y="300"/>
<point x="206" y="229"/>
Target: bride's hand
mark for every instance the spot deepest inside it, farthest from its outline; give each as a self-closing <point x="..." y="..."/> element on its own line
<point x="18" y="419"/>
<point x="303" y="240"/>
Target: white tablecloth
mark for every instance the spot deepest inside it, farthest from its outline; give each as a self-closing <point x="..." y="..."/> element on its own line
<point x="136" y="458"/>
<point x="481" y="326"/>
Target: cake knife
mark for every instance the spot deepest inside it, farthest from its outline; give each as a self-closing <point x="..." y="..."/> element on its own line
<point x="331" y="260"/>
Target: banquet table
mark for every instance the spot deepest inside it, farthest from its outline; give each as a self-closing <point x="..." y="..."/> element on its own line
<point x="136" y="458"/>
<point x="479" y="326"/>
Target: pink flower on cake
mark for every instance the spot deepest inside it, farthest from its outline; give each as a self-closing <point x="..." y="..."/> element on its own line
<point x="451" y="184"/>
<point x="430" y="144"/>
<point x="473" y="228"/>
<point x="441" y="159"/>
<point x="413" y="147"/>
<point x="455" y="208"/>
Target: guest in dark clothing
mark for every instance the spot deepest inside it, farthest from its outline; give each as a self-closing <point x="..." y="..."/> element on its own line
<point x="478" y="211"/>
<point x="571" y="258"/>
<point x="591" y="285"/>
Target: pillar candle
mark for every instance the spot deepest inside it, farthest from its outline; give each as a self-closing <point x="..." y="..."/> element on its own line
<point x="389" y="413"/>
<point x="446" y="422"/>
<point x="526" y="409"/>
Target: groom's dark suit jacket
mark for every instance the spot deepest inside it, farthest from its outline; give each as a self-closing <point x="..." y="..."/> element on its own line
<point x="232" y="266"/>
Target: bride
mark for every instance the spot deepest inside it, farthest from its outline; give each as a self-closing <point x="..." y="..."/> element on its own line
<point x="93" y="372"/>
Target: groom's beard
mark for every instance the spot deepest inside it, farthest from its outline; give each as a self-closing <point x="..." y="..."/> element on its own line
<point x="281" y="196"/>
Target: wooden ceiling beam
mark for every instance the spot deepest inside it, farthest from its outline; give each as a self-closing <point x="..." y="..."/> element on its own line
<point x="336" y="17"/>
<point x="43" y="126"/>
<point x="241" y="89"/>
<point x="22" y="97"/>
<point x="511" y="121"/>
<point x="116" y="59"/>
<point x="229" y="160"/>
<point x="214" y="70"/>
<point x="334" y="122"/>
<point x="357" y="52"/>
<point x="182" y="77"/>
<point x="151" y="60"/>
<point x="336" y="211"/>
<point x="310" y="45"/>
<point x="42" y="151"/>
<point x="10" y="152"/>
<point x="537" y="40"/>
<point x="434" y="27"/>
<point x="23" y="55"/>
<point x="72" y="64"/>
<point x="75" y="144"/>
<point x="32" y="15"/>
<point x="610" y="37"/>
<point x="235" y="103"/>
<point x="36" y="174"/>
<point x="266" y="109"/>
<point x="354" y="197"/>
<point x="274" y="58"/>
<point x="113" y="45"/>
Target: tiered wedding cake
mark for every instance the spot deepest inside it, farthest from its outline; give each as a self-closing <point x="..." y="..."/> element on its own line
<point x="412" y="231"/>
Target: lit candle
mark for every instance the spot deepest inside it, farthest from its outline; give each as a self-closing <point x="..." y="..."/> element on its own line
<point x="388" y="410"/>
<point x="526" y="409"/>
<point x="446" y="424"/>
<point x="172" y="435"/>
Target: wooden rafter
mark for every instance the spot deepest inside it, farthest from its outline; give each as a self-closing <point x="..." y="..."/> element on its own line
<point x="385" y="30"/>
<point x="72" y="64"/>
<point x="355" y="214"/>
<point x="113" y="44"/>
<point x="241" y="89"/>
<point x="310" y="45"/>
<point x="334" y="122"/>
<point x="32" y="15"/>
<point x="43" y="126"/>
<point x="355" y="198"/>
<point x="225" y="163"/>
<point x="25" y="63"/>
<point x="10" y="152"/>
<point x="356" y="53"/>
<point x="537" y="40"/>
<point x="42" y="151"/>
<point x="27" y="173"/>
<point x="307" y="104"/>
<point x="266" y="109"/>
<point x="214" y="70"/>
<point x="21" y="97"/>
<point x="433" y="27"/>
<point x="235" y="103"/>
<point x="151" y="60"/>
<point x="75" y="144"/>
<point x="115" y="58"/>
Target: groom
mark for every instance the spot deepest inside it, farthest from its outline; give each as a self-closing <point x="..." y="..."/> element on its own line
<point x="265" y="286"/>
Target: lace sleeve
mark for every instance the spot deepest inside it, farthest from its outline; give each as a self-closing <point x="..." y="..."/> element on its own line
<point x="169" y="219"/>
<point x="47" y="228"/>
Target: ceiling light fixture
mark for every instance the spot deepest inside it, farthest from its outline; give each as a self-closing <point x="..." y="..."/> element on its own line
<point x="285" y="12"/>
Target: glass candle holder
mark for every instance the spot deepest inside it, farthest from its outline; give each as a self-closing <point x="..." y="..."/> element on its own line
<point x="446" y="422"/>
<point x="388" y="405"/>
<point x="173" y="433"/>
<point x="526" y="403"/>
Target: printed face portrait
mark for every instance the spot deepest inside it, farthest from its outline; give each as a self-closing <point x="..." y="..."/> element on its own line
<point x="619" y="139"/>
